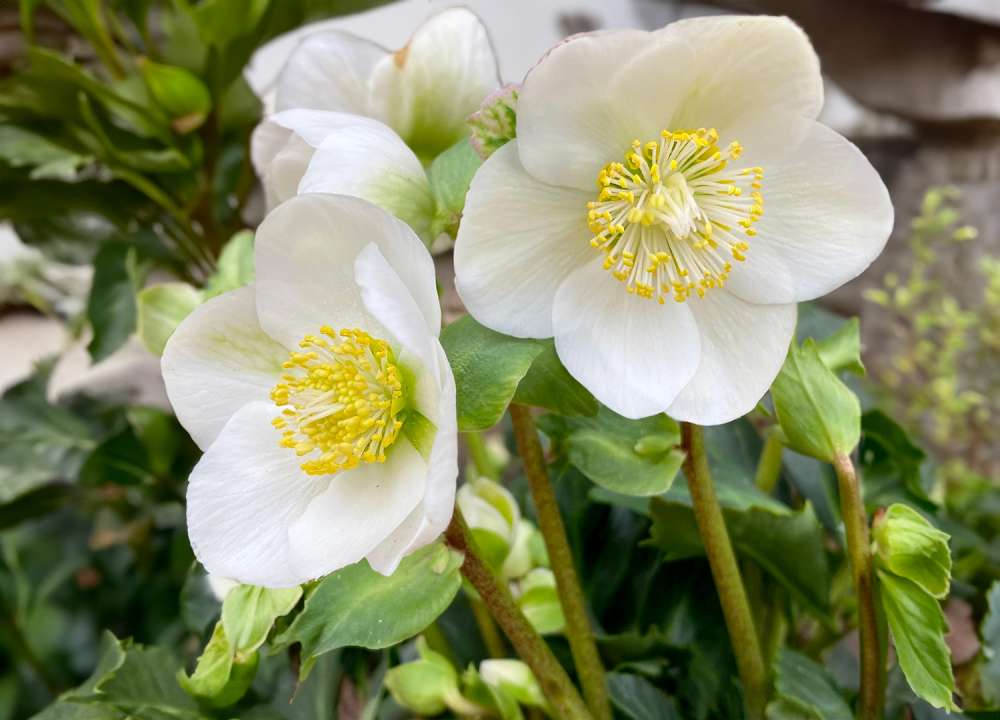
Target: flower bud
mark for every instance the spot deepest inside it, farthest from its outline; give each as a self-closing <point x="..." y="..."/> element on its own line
<point x="539" y="601"/>
<point x="493" y="515"/>
<point x="514" y="677"/>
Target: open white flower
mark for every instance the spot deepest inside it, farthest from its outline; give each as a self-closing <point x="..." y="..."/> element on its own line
<point x="719" y="203"/>
<point x="322" y="399"/>
<point x="319" y="151"/>
<point x="424" y="91"/>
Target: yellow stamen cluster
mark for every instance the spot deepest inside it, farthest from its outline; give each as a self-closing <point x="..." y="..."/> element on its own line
<point x="671" y="216"/>
<point x="341" y="395"/>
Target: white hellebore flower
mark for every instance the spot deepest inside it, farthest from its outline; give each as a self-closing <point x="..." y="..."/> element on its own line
<point x="720" y="203"/>
<point x="424" y="91"/>
<point x="322" y="399"/>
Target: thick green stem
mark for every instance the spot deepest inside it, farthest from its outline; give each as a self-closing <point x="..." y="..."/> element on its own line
<point x="726" y="572"/>
<point x="555" y="683"/>
<point x="480" y="455"/>
<point x="859" y="554"/>
<point x="769" y="465"/>
<point x="578" y="630"/>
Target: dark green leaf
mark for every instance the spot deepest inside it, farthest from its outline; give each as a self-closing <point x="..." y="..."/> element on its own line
<point x="488" y="367"/>
<point x="357" y="606"/>
<point x="638" y="699"/>
<point x="788" y="546"/>
<point x="111" y="307"/>
<point x="803" y="686"/>
<point x="549" y="385"/>
<point x="632" y="457"/>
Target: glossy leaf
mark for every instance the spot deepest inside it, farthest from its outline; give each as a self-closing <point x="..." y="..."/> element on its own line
<point x="356" y="606"/>
<point x="632" y="457"/>
<point x="489" y="368"/>
<point x="111" y="307"/>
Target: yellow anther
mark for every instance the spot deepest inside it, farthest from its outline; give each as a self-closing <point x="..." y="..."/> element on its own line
<point x="339" y="401"/>
<point x="668" y="217"/>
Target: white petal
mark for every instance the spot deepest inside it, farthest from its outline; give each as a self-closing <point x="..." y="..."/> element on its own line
<point x="390" y="303"/>
<point x="242" y="497"/>
<point x="357" y="511"/>
<point x="518" y="240"/>
<point x="304" y="254"/>
<point x="427" y="90"/>
<point x="741" y="62"/>
<point x="217" y="361"/>
<point x="367" y="159"/>
<point x="329" y="70"/>
<point x="432" y="516"/>
<point x="827" y="216"/>
<point x="632" y="353"/>
<point x="570" y="121"/>
<point x="742" y="349"/>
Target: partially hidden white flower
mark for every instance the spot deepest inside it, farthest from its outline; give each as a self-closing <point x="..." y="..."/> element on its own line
<point x="322" y="399"/>
<point x="306" y="151"/>
<point x="719" y="203"/>
<point x="424" y="91"/>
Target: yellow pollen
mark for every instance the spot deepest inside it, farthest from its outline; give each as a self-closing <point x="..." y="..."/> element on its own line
<point x="671" y="217"/>
<point x="341" y="394"/>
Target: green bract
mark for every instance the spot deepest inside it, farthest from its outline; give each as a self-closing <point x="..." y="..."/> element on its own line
<point x="821" y="417"/>
<point x="909" y="546"/>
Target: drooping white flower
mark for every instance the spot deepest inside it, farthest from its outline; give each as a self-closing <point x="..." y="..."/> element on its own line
<point x="424" y="91"/>
<point x="719" y="203"/>
<point x="305" y="151"/>
<point x="322" y="399"/>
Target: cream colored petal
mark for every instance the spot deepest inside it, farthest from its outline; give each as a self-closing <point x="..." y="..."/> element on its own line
<point x="743" y="62"/>
<point x="430" y="518"/>
<point x="218" y="360"/>
<point x="519" y="239"/>
<point x="742" y="349"/>
<point x="305" y="251"/>
<point x="827" y="216"/>
<point x="367" y="159"/>
<point x="329" y="70"/>
<point x="634" y="354"/>
<point x="243" y="496"/>
<point x="357" y="511"/>
<point x="426" y="90"/>
<point x="571" y="118"/>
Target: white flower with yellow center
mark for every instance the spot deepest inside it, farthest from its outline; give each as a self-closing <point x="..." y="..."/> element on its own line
<point x="423" y="91"/>
<point x="667" y="201"/>
<point x="322" y="399"/>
